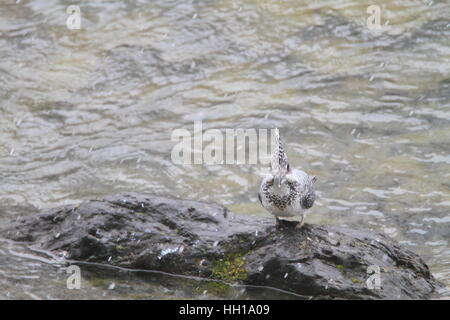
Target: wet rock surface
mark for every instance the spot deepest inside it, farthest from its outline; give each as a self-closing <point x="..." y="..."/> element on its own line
<point x="144" y="231"/>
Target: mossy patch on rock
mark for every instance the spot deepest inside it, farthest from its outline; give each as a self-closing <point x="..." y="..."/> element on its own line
<point x="230" y="268"/>
<point x="354" y="280"/>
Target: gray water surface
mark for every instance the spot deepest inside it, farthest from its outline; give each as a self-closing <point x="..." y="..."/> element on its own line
<point x="90" y="112"/>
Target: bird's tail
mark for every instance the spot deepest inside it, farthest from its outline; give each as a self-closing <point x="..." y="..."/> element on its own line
<point x="279" y="162"/>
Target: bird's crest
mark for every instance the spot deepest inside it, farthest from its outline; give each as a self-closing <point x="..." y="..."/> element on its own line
<point x="279" y="162"/>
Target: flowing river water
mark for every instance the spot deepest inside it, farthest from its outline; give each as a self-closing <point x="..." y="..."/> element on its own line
<point x="90" y="112"/>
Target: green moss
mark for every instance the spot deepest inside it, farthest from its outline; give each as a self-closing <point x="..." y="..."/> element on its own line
<point x="230" y="268"/>
<point x="340" y="267"/>
<point x="354" y="280"/>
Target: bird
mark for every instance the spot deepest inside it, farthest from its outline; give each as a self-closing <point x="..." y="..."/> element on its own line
<point x="286" y="192"/>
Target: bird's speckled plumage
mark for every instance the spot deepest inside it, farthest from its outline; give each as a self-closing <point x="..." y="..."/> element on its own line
<point x="286" y="192"/>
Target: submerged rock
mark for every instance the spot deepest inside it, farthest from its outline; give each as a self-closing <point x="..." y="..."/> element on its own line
<point x="144" y="231"/>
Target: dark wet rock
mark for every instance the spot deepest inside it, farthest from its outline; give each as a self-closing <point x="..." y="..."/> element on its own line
<point x="144" y="231"/>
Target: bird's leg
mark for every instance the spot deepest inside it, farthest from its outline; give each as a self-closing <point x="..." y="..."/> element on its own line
<point x="277" y="221"/>
<point x="300" y="224"/>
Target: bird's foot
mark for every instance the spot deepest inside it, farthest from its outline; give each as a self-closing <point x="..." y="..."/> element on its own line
<point x="300" y="224"/>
